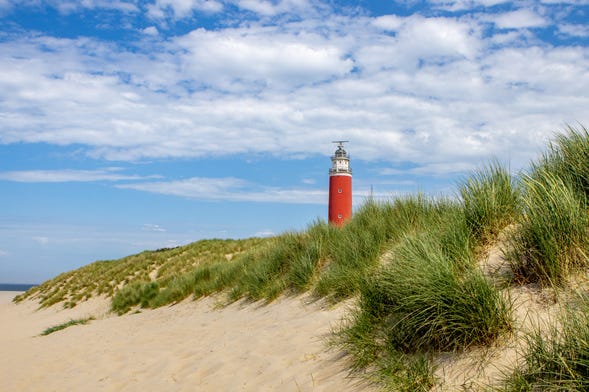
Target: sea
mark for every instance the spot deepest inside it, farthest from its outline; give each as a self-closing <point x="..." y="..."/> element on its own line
<point x="15" y="286"/>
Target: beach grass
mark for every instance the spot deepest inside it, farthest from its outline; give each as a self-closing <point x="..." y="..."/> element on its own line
<point x="491" y="201"/>
<point x="557" y="357"/>
<point x="552" y="237"/>
<point x="65" y="325"/>
<point x="106" y="278"/>
<point x="567" y="157"/>
<point x="413" y="264"/>
<point x="427" y="297"/>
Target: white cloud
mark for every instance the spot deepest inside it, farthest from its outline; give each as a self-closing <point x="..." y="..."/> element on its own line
<point x="574" y="30"/>
<point x="67" y="175"/>
<point x="419" y="39"/>
<point x="567" y="2"/>
<point x="438" y="90"/>
<point x="151" y="30"/>
<point x="262" y="58"/>
<point x="71" y="6"/>
<point x="258" y="6"/>
<point x="229" y="189"/>
<point x="436" y="169"/>
<point x="442" y="36"/>
<point x="206" y="188"/>
<point x="180" y="9"/>
<point x="265" y="233"/>
<point x="271" y="8"/>
<point x="522" y="18"/>
<point x="459" y="5"/>
<point x="153" y="227"/>
<point x="175" y="9"/>
<point x="388" y="22"/>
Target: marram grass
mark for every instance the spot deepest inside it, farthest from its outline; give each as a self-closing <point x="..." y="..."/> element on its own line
<point x="412" y="263"/>
<point x="567" y="157"/>
<point x="491" y="201"/>
<point x="556" y="359"/>
<point x="552" y="239"/>
<point x="65" y="325"/>
<point x="421" y="301"/>
<point x="107" y="278"/>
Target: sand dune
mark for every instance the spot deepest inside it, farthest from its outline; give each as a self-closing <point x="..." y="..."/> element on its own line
<point x="192" y="346"/>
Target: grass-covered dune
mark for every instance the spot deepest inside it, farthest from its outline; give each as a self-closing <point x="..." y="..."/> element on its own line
<point x="162" y="266"/>
<point x="416" y="267"/>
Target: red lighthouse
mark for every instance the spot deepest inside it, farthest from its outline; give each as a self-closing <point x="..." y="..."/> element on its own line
<point x="340" y="186"/>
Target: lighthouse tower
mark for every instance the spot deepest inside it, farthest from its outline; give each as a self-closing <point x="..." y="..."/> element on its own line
<point x="340" y="186"/>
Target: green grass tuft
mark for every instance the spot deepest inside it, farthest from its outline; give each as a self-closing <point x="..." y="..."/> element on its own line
<point x="137" y="293"/>
<point x="557" y="359"/>
<point x="568" y="158"/>
<point x="491" y="201"/>
<point x="66" y="325"/>
<point x="552" y="239"/>
<point x="428" y="297"/>
<point x="354" y="251"/>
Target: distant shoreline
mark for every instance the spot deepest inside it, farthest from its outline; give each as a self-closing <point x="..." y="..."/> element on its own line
<point x="16" y="286"/>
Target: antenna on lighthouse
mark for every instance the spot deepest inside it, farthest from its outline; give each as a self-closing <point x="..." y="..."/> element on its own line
<point x="340" y="143"/>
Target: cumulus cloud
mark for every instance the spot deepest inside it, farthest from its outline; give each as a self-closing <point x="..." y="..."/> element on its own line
<point x="443" y="90"/>
<point x="237" y="56"/>
<point x="522" y="18"/>
<point x="574" y="30"/>
<point x="151" y="30"/>
<point x="272" y="8"/>
<point x="258" y="6"/>
<point x="388" y="22"/>
<point x="179" y="9"/>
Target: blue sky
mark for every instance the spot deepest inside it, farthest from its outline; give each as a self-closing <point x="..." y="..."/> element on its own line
<point x="128" y="125"/>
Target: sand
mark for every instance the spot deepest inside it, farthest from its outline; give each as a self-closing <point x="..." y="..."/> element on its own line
<point x="192" y="346"/>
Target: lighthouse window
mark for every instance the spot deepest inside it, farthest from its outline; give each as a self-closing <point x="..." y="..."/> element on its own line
<point x="339" y="190"/>
<point x="339" y="216"/>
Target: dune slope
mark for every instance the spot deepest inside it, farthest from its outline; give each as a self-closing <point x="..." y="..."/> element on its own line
<point x="192" y="346"/>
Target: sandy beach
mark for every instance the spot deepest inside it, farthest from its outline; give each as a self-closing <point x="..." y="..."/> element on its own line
<point x="192" y="346"/>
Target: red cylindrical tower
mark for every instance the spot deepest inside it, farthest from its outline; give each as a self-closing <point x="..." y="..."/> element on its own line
<point x="340" y="186"/>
